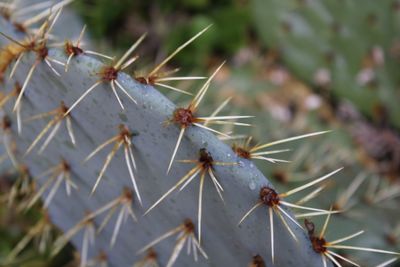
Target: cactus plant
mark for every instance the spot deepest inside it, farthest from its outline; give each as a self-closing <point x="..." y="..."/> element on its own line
<point x="345" y="48"/>
<point x="362" y="191"/>
<point x="79" y="213"/>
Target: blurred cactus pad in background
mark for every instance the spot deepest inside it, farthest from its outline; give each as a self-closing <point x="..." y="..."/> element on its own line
<point x="243" y="133"/>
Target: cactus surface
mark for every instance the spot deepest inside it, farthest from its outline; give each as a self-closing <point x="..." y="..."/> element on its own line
<point x="97" y="118"/>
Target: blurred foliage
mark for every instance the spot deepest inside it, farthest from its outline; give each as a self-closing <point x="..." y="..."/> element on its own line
<point x="348" y="48"/>
<point x="171" y="23"/>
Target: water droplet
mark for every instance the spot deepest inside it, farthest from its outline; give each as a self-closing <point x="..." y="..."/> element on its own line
<point x="252" y="185"/>
<point x="205" y="143"/>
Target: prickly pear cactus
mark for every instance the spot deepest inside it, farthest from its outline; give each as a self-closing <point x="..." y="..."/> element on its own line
<point x="144" y="180"/>
<point x="344" y="48"/>
<point x="366" y="195"/>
